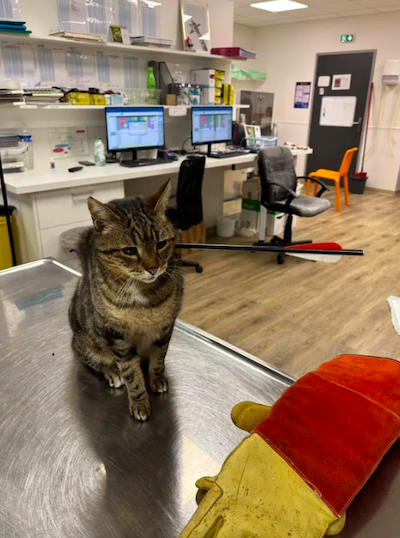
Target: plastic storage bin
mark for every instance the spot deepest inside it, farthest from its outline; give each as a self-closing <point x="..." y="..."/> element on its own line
<point x="139" y="96"/>
<point x="261" y="142"/>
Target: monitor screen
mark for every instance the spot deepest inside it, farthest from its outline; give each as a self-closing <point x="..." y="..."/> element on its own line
<point x="134" y="128"/>
<point x="211" y="124"/>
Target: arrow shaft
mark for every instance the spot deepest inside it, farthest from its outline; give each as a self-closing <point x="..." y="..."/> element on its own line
<point x="270" y="248"/>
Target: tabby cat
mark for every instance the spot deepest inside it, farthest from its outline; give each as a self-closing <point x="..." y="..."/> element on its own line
<point x="127" y="300"/>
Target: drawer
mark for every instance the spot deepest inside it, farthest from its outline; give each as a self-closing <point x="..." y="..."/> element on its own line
<point x="66" y="206"/>
<point x="51" y="241"/>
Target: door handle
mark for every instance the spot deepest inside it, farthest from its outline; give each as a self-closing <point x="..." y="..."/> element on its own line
<point x="359" y="123"/>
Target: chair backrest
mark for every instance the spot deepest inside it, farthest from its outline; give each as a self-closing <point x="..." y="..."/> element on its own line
<point x="276" y="165"/>
<point x="189" y="203"/>
<point x="346" y="162"/>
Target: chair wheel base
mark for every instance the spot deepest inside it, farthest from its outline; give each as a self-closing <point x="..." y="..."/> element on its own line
<point x="196" y="265"/>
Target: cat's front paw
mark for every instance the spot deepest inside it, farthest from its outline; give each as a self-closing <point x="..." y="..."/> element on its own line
<point x="113" y="377"/>
<point x="140" y="409"/>
<point x="159" y="384"/>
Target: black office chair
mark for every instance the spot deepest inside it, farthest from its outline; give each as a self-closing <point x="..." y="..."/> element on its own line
<point x="189" y="206"/>
<point x="278" y="192"/>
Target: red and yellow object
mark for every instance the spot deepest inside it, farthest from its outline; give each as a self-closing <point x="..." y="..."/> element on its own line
<point x="307" y="456"/>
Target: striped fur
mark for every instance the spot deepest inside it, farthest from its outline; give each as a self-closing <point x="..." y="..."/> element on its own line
<point x="126" y="303"/>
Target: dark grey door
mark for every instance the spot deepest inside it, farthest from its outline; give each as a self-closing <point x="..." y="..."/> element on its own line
<point x="330" y="142"/>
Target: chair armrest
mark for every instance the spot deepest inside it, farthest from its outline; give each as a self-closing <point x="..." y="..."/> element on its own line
<point x="316" y="180"/>
<point x="287" y="189"/>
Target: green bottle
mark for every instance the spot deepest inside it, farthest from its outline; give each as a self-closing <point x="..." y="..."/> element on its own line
<point x="151" y="81"/>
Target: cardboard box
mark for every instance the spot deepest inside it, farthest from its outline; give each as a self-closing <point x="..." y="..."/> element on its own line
<point x="250" y="204"/>
<point x="204" y="77"/>
<point x="228" y="94"/>
<point x="207" y="96"/>
<point x="171" y="99"/>
<point x="232" y="207"/>
<point x="219" y="79"/>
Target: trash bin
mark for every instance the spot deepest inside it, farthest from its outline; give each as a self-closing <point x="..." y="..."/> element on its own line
<point x="357" y="183"/>
<point x="5" y="247"/>
<point x="225" y="227"/>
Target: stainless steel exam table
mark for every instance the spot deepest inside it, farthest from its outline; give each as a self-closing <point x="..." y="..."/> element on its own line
<point x="74" y="464"/>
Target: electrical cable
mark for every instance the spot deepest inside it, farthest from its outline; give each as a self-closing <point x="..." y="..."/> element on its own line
<point x="392" y="135"/>
<point x="184" y="142"/>
<point x="377" y="133"/>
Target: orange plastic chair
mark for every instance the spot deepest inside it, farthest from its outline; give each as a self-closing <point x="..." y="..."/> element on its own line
<point x="336" y="177"/>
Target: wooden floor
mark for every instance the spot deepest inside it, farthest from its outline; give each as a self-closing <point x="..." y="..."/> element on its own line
<point x="302" y="313"/>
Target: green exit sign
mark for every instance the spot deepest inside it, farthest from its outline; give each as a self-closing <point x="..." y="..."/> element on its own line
<point x="347" y="38"/>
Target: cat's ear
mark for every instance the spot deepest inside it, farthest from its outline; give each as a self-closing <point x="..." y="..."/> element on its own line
<point x="159" y="200"/>
<point x="103" y="215"/>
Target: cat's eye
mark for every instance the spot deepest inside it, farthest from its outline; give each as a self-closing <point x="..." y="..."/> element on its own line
<point x="130" y="251"/>
<point x="161" y="244"/>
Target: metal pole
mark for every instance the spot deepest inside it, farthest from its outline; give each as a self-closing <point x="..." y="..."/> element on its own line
<point x="8" y="215"/>
<point x="270" y="248"/>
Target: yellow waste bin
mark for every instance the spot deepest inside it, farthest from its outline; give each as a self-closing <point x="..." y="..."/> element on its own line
<point x="5" y="247"/>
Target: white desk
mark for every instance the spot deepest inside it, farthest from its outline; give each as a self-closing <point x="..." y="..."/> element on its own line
<point x="52" y="180"/>
<point x="52" y="201"/>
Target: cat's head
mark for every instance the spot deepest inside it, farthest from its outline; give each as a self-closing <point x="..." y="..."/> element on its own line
<point x="133" y="236"/>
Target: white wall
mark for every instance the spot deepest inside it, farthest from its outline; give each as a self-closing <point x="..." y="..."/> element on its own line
<point x="288" y="54"/>
<point x="245" y="37"/>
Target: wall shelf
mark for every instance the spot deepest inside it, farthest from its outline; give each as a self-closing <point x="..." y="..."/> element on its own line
<point x="61" y="106"/>
<point x="139" y="50"/>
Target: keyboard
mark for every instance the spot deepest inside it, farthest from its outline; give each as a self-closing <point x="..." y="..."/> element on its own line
<point x="227" y="154"/>
<point x="145" y="162"/>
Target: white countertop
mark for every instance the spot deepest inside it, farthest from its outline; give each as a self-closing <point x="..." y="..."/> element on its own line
<point x="48" y="180"/>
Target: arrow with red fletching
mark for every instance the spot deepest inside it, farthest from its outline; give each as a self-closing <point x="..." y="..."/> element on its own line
<point x="318" y="252"/>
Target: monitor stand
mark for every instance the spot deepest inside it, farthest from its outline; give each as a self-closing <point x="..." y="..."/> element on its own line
<point x="209" y="151"/>
<point x="135" y="162"/>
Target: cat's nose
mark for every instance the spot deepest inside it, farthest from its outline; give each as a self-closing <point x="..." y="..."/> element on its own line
<point x="152" y="270"/>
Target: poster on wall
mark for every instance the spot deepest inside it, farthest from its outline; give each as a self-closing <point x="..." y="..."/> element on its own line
<point x="302" y="95"/>
<point x="196" y="25"/>
<point x="341" y="82"/>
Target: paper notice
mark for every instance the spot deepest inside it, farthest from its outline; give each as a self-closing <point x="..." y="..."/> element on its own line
<point x="18" y="63"/>
<point x="108" y="71"/>
<point x="68" y="142"/>
<point x="80" y="69"/>
<point x="72" y="16"/>
<point x="10" y="10"/>
<point x="99" y="16"/>
<point x="341" y="82"/>
<point x="324" y="81"/>
<point x="131" y="73"/>
<point x="51" y="65"/>
<point x="128" y="15"/>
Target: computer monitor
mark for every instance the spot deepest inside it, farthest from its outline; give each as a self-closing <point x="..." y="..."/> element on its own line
<point x="133" y="128"/>
<point x="211" y="124"/>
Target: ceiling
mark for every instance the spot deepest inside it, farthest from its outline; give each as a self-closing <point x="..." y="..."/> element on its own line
<point x="317" y="9"/>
